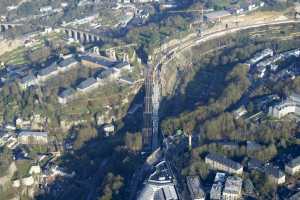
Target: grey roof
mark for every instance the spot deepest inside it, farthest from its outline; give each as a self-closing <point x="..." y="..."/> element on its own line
<point x="106" y="73"/>
<point x="67" y="92"/>
<point x="295" y="162"/>
<point x="28" y="78"/>
<point x="86" y="83"/>
<point x="33" y="133"/>
<point x="67" y="62"/>
<point x="98" y="60"/>
<point x="224" y="161"/>
<point x="255" y="164"/>
<point x="48" y="70"/>
<point x="121" y="65"/>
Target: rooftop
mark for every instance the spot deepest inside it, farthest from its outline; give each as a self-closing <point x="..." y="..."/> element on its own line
<point x="28" y="78"/>
<point x="194" y="186"/>
<point x="233" y="185"/>
<point x="295" y="162"/>
<point x="33" y="133"/>
<point x="106" y="62"/>
<point x="86" y="83"/>
<point x="67" y="62"/>
<point x="67" y="92"/>
<point x="224" y="161"/>
<point x="48" y="70"/>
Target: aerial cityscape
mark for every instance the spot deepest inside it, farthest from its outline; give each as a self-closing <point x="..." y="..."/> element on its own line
<point x="149" y="100"/>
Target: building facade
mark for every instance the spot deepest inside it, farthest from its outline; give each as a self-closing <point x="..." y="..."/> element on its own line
<point x="222" y="163"/>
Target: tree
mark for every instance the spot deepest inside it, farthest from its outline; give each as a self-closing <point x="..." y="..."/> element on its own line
<point x="133" y="141"/>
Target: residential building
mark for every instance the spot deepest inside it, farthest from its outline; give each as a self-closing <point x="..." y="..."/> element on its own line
<point x="233" y="188"/>
<point x="66" y="96"/>
<point x="216" y="191"/>
<point x="195" y="188"/>
<point x="47" y="72"/>
<point x="28" y="81"/>
<point x="293" y="166"/>
<point x="274" y="174"/>
<point x="96" y="61"/>
<point x="222" y="163"/>
<point x="33" y="137"/>
<point x="108" y="74"/>
<point x="87" y="85"/>
<point x="67" y="64"/>
<point x="290" y="105"/>
<point x="216" y="16"/>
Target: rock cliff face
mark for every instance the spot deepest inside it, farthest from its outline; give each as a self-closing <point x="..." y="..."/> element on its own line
<point x="173" y="74"/>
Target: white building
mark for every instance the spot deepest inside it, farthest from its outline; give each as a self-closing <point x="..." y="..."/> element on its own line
<point x="293" y="166"/>
<point x="290" y="105"/>
<point x="233" y="188"/>
<point x="31" y="137"/>
<point x="275" y="175"/>
<point x="222" y="163"/>
<point x="195" y="188"/>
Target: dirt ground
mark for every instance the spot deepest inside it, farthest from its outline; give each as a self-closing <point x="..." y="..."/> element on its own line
<point x="9" y="45"/>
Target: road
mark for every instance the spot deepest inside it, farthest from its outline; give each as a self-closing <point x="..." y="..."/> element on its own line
<point x="165" y="56"/>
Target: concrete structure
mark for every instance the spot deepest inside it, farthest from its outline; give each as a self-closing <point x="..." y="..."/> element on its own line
<point x="222" y="163"/>
<point x="195" y="188"/>
<point x="274" y="174"/>
<point x="290" y="105"/>
<point x="32" y="137"/>
<point x="82" y="36"/>
<point x="35" y="169"/>
<point x="233" y="188"/>
<point x="66" y="96"/>
<point x="293" y="166"/>
<point x="260" y="56"/>
<point x="160" y="185"/>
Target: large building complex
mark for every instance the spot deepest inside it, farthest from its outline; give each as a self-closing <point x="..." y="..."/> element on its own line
<point x="287" y="106"/>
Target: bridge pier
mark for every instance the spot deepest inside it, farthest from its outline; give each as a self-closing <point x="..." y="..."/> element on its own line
<point x="81" y="36"/>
